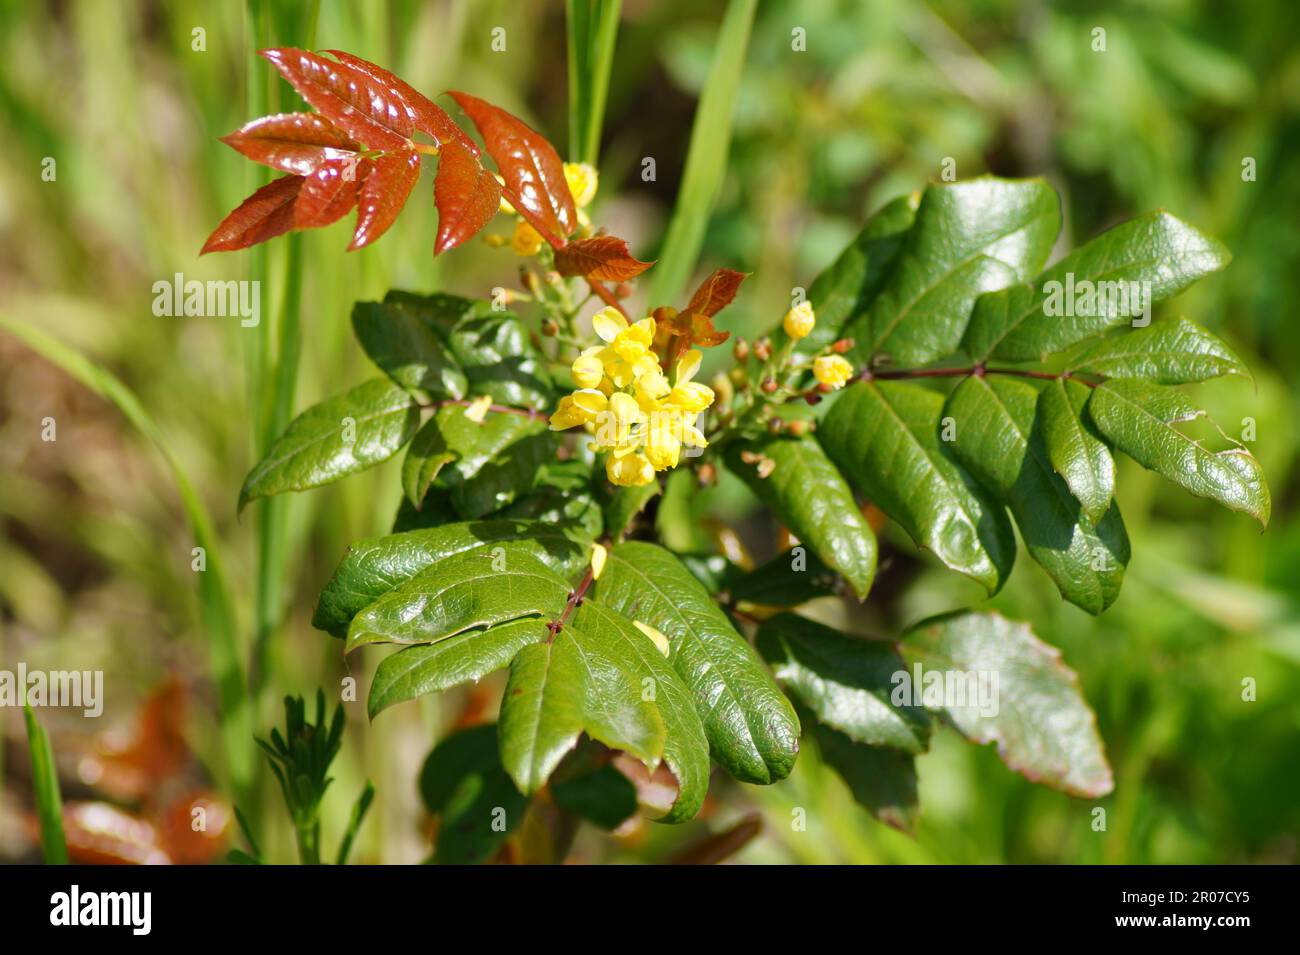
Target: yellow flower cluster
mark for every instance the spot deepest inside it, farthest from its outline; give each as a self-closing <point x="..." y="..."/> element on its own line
<point x="628" y="406"/>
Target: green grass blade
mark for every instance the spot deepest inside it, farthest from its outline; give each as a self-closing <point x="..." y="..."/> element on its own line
<point x="45" y="783"/>
<point x="354" y="823"/>
<point x="217" y="611"/>
<point x="592" y="32"/>
<point x="706" y="159"/>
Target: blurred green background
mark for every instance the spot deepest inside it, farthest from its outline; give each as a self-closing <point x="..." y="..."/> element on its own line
<point x="95" y="549"/>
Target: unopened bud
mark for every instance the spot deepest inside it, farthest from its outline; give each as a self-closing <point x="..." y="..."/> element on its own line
<point x="763" y="349"/>
<point x="740" y="350"/>
<point x="722" y="390"/>
<point x="843" y="346"/>
<point x="623" y="290"/>
<point x="495" y="241"/>
<point x="765" y="468"/>
<point x="799" y="428"/>
<point x="769" y="386"/>
<point x="529" y="280"/>
<point x="554" y="279"/>
<point x="775" y="425"/>
<point x="738" y="376"/>
<point x="812" y="398"/>
<point x="706" y="474"/>
<point x="550" y="327"/>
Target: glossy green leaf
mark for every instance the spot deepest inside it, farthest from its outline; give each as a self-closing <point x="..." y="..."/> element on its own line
<point x="485" y="464"/>
<point x="841" y="294"/>
<point x="467" y="657"/>
<point x="375" y="566"/>
<point x="969" y="238"/>
<point x="1074" y="447"/>
<point x="1139" y="418"/>
<point x="829" y="521"/>
<point x="846" y="682"/>
<point x="499" y="359"/>
<point x="579" y="682"/>
<point x="751" y="726"/>
<point x="1000" y="440"/>
<point x="340" y="436"/>
<point x="1041" y="723"/>
<point x="882" y="780"/>
<point x="1029" y="321"/>
<point x="408" y="348"/>
<point x="561" y="495"/>
<point x="492" y="347"/>
<point x="625" y="503"/>
<point x="686" y="749"/>
<point x="426" y="455"/>
<point x="1173" y="351"/>
<point x="886" y="438"/>
<point x="469" y="590"/>
<point x="598" y="793"/>
<point x="463" y="783"/>
<point x="790" y="578"/>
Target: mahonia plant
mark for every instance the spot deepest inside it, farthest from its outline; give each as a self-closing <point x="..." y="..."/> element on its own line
<point x="936" y="370"/>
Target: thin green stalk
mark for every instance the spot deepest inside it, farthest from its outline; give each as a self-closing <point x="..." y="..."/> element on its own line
<point x="45" y="784"/>
<point x="706" y="158"/>
<point x="271" y="519"/>
<point x="217" y="611"/>
<point x="592" y="34"/>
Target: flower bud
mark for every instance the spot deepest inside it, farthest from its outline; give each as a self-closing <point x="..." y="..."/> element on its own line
<point x="550" y="327"/>
<point x="799" y="321"/>
<point x="769" y="386"/>
<point x="843" y="346"/>
<point x="763" y="349"/>
<point x="740" y="350"/>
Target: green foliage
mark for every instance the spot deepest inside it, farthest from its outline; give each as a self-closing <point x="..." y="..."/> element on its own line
<point x="637" y="655"/>
<point x="301" y="758"/>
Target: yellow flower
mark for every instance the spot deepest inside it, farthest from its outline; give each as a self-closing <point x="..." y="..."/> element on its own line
<point x="578" y="408"/>
<point x="526" y="240"/>
<point x="832" y="370"/>
<point x="628" y="469"/>
<point x="587" y="370"/>
<point x="583" y="180"/>
<point x="689" y="395"/>
<point x="799" y="321"/>
<point x="627" y="355"/>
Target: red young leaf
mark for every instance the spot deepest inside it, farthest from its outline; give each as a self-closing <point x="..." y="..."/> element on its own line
<point x="715" y="293"/>
<point x="263" y="215"/>
<point x="429" y="118"/>
<point x="328" y="193"/>
<point x="367" y="110"/>
<point x="466" y="194"/>
<point x="291" y="142"/>
<point x="529" y="164"/>
<point x="385" y="190"/>
<point x="604" y="258"/>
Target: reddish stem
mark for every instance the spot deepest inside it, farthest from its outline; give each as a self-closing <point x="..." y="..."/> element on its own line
<point x="608" y="297"/>
<point x="574" y="601"/>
